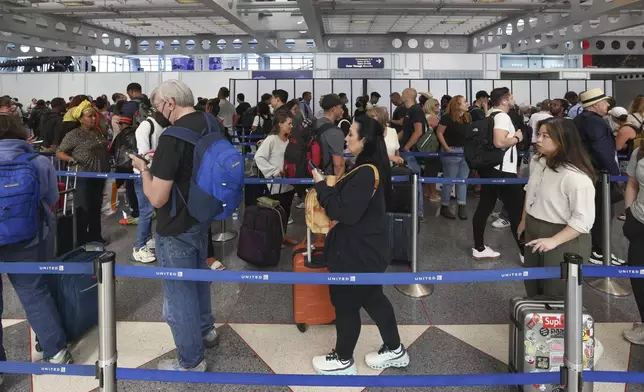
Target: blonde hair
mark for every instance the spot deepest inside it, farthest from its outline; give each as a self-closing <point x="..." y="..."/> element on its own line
<point x="637" y="106"/>
<point x="381" y="115"/>
<point x="429" y="107"/>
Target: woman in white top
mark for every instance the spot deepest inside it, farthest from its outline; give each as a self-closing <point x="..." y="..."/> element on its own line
<point x="392" y="143"/>
<point x="270" y="161"/>
<point x="559" y="203"/>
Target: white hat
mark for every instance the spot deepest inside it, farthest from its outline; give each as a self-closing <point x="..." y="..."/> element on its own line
<point x="592" y="96"/>
<point x="618" y="112"/>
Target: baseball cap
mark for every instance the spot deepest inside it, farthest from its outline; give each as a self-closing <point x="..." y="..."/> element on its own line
<point x="482" y="94"/>
<point x="618" y="112"/>
<point x="330" y="101"/>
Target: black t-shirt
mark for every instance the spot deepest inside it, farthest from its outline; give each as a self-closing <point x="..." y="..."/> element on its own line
<point x="173" y="162"/>
<point x="477" y="113"/>
<point x="399" y="113"/>
<point x="454" y="132"/>
<point x="242" y="107"/>
<point x="414" y="115"/>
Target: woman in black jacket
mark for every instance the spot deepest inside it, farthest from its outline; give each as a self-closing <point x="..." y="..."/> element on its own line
<point x="359" y="243"/>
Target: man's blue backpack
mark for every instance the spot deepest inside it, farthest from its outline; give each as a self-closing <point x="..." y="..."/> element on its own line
<point x="19" y="200"/>
<point x="217" y="185"/>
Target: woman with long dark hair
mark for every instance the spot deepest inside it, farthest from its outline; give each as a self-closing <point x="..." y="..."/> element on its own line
<point x="270" y="161"/>
<point x="357" y="243"/>
<point x="559" y="204"/>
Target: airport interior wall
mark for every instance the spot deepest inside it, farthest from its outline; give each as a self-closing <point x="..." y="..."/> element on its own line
<point x="206" y="84"/>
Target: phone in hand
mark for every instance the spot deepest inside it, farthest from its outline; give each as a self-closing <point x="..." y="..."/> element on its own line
<point x="312" y="164"/>
<point x="141" y="157"/>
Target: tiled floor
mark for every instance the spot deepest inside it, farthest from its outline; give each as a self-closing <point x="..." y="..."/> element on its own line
<point x="460" y="329"/>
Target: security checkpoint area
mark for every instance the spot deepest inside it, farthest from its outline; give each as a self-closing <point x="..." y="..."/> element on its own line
<point x="550" y="300"/>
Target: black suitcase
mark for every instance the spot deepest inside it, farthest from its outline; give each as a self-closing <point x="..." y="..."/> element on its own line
<point x="400" y="233"/>
<point x="261" y="236"/>
<point x="401" y="194"/>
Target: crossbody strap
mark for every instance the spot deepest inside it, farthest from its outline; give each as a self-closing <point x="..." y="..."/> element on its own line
<point x="375" y="173"/>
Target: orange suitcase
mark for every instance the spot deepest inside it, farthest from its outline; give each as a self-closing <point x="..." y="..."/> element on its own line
<point x="311" y="302"/>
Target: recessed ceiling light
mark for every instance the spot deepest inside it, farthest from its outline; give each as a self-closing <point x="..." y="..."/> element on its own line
<point x="188" y="1"/>
<point x="76" y="3"/>
<point x="222" y="23"/>
<point x="359" y="22"/>
<point x="302" y="31"/>
<point x="300" y="21"/>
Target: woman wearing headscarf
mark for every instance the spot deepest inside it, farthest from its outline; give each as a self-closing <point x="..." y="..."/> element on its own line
<point x="86" y="146"/>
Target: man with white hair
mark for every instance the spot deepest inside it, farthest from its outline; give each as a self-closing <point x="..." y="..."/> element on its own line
<point x="181" y="241"/>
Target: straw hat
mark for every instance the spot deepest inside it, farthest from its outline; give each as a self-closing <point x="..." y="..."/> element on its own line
<point x="592" y="96"/>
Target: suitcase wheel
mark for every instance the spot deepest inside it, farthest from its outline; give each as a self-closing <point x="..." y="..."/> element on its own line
<point x="302" y="327"/>
<point x="38" y="348"/>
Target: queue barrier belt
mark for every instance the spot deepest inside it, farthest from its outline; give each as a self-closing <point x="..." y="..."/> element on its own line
<point x="435" y="380"/>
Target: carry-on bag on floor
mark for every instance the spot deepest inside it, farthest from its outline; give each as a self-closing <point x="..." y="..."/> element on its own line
<point x="76" y="296"/>
<point x="537" y="340"/>
<point x="261" y="234"/>
<point x="401" y="194"/>
<point x="66" y="227"/>
<point x="311" y="302"/>
<point x="400" y="233"/>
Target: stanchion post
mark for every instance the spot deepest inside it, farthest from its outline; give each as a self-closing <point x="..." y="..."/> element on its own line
<point x="415" y="290"/>
<point x="224" y="236"/>
<point x="107" y="355"/>
<point x="571" y="371"/>
<point x="610" y="286"/>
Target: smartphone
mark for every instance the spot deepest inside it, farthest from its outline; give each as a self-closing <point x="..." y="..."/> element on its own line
<point x="140" y="157"/>
<point x="312" y="164"/>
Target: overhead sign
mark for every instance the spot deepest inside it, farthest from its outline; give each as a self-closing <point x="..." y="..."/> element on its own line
<point x="361" y="62"/>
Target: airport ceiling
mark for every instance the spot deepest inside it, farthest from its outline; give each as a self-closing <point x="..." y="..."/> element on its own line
<point x="296" y="26"/>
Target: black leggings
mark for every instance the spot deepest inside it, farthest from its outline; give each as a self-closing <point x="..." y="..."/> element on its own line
<point x="511" y="195"/>
<point x="89" y="194"/>
<point x="634" y="231"/>
<point x="348" y="300"/>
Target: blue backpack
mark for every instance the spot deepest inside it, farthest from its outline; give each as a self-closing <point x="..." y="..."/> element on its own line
<point x="217" y="185"/>
<point x="19" y="200"/>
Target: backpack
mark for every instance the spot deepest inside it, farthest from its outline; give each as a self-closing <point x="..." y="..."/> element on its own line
<point x="20" y="205"/>
<point x="140" y="110"/>
<point x="246" y="119"/>
<point x="428" y="142"/>
<point x="217" y="184"/>
<point x="124" y="143"/>
<point x="314" y="150"/>
<point x="267" y="126"/>
<point x="479" y="149"/>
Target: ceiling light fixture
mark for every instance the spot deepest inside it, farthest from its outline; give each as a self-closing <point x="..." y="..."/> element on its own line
<point x="76" y="3"/>
<point x="222" y="23"/>
<point x="302" y="31"/>
<point x="300" y="21"/>
<point x="359" y="22"/>
<point x="452" y="22"/>
<point x="489" y="1"/>
<point x="138" y="24"/>
<point x="188" y="1"/>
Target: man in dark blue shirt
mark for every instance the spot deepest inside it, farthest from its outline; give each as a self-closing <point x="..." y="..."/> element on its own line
<point x="598" y="139"/>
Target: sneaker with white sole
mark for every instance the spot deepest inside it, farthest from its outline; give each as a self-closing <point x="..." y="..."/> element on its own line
<point x="599" y="352"/>
<point x="290" y="221"/>
<point x="485" y="254"/>
<point x="63" y="357"/>
<point x="386" y="358"/>
<point x="211" y="339"/>
<point x="151" y="244"/>
<point x="598" y="259"/>
<point x="332" y="365"/>
<point x="522" y="259"/>
<point x="143" y="255"/>
<point x="500" y="223"/>
<point x="173" y="364"/>
<point x="635" y="335"/>
<point x="300" y="205"/>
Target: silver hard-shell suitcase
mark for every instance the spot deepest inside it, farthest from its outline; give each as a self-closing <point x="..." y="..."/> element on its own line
<point x="537" y="340"/>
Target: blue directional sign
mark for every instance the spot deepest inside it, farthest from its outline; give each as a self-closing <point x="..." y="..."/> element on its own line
<point x="361" y="62"/>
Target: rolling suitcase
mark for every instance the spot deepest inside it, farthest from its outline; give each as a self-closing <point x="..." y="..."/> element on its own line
<point x="311" y="302"/>
<point x="400" y="233"/>
<point x="261" y="235"/>
<point x="537" y="340"/>
<point x="401" y="194"/>
<point x="76" y="296"/>
<point x="66" y="227"/>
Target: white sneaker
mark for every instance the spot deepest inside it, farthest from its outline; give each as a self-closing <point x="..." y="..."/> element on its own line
<point x="598" y="259"/>
<point x="300" y="205"/>
<point x="151" y="244"/>
<point x="485" y="254"/>
<point x="290" y="221"/>
<point x="500" y="224"/>
<point x="331" y="365"/>
<point x="63" y="357"/>
<point x="635" y="335"/>
<point x="386" y="358"/>
<point x="522" y="259"/>
<point x="599" y="352"/>
<point x="143" y="255"/>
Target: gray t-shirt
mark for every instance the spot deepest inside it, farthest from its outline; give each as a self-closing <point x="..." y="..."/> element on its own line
<point x="332" y="143"/>
<point x="635" y="170"/>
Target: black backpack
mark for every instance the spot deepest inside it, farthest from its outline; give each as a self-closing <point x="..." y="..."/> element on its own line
<point x="246" y="119"/>
<point x="480" y="152"/>
<point x="124" y="143"/>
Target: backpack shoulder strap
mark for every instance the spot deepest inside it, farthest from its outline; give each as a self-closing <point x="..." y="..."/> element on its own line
<point x="26" y="157"/>
<point x="376" y="173"/>
<point x="185" y="134"/>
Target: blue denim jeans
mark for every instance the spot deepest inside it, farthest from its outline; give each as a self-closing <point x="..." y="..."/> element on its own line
<point x="412" y="163"/>
<point x="35" y="297"/>
<point x="144" y="227"/>
<point x="454" y="167"/>
<point x="186" y="304"/>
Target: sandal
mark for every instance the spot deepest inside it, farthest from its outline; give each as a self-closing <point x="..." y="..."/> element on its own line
<point x="214" y="264"/>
